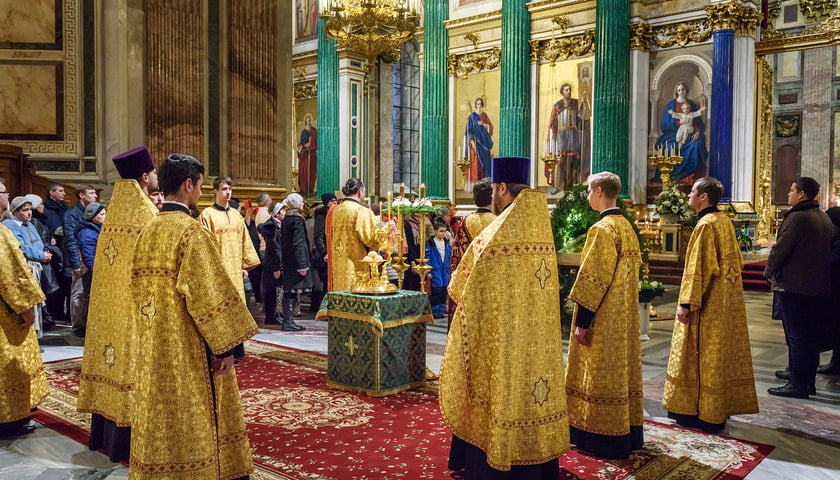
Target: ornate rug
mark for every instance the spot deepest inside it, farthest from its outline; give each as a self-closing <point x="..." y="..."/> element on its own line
<point x="300" y="429"/>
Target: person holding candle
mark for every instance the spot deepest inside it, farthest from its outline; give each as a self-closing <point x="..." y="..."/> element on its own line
<point x="502" y="387"/>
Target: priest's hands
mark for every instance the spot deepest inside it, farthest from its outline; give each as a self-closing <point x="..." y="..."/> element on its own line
<point x="682" y="314"/>
<point x="583" y="335"/>
<point x="222" y="366"/>
<point x="28" y="318"/>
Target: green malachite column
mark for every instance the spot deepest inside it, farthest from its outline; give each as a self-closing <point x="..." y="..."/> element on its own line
<point x="433" y="150"/>
<point x="515" y="110"/>
<point x="328" y="135"/>
<point x="611" y="97"/>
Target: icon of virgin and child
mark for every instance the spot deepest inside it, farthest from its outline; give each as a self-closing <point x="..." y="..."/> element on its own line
<point x="683" y="130"/>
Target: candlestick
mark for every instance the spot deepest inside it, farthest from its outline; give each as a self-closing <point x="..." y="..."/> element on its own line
<point x="422" y="241"/>
<point x="422" y="191"/>
<point x="389" y="204"/>
<point x="402" y="190"/>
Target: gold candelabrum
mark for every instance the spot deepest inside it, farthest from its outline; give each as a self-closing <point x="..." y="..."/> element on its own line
<point x="665" y="159"/>
<point x="295" y="174"/>
<point x="370" y="27"/>
<point x="550" y="160"/>
<point x="462" y="162"/>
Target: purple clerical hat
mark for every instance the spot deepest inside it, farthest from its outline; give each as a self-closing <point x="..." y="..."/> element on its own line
<point x="511" y="170"/>
<point x="134" y="163"/>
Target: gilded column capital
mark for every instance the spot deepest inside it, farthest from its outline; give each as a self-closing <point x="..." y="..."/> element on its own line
<point x="474" y="62"/>
<point x="561" y="48"/>
<point x="641" y="36"/>
<point x="731" y="15"/>
<point x="306" y="89"/>
<point x="534" y="50"/>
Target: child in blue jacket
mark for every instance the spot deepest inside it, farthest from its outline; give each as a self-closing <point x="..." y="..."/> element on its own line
<point x="439" y="252"/>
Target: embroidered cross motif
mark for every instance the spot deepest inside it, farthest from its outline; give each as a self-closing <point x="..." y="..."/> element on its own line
<point x="148" y="310"/>
<point x="351" y="346"/>
<point x="541" y="391"/>
<point x="733" y="275"/>
<point x="542" y="274"/>
<point x="110" y="355"/>
<point x="110" y="252"/>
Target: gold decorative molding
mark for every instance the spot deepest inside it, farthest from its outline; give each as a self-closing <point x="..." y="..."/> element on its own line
<point x="473" y="38"/>
<point x="474" y="62"/>
<point x="824" y="34"/>
<point x="305" y="89"/>
<point x="561" y="48"/>
<point x="773" y="10"/>
<point x="817" y="9"/>
<point x="787" y="126"/>
<point x="644" y="36"/>
<point x="764" y="162"/>
<point x="561" y="22"/>
<point x="741" y="18"/>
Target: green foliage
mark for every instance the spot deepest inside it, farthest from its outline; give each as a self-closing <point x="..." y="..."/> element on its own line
<point x="572" y="217"/>
<point x="649" y="289"/>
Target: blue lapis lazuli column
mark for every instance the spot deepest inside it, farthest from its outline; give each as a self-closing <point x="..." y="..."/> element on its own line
<point x="720" y="158"/>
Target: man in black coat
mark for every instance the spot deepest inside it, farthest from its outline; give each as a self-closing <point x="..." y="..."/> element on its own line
<point x="55" y="207"/>
<point x="799" y="273"/>
<point x="54" y="210"/>
<point x="272" y="266"/>
<point x="73" y="260"/>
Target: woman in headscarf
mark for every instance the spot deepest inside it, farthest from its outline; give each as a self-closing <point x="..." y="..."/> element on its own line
<point x="296" y="259"/>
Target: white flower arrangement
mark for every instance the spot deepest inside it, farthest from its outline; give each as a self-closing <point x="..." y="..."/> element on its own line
<point x="672" y="201"/>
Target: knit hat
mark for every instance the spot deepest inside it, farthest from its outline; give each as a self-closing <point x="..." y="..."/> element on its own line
<point x="327" y="198"/>
<point x="511" y="170"/>
<point x="92" y="210"/>
<point x="18" y="202"/>
<point x="294" y="200"/>
<point x="134" y="163"/>
<point x="35" y="200"/>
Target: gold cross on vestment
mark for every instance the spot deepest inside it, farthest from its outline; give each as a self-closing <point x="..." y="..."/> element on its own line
<point x="733" y="275"/>
<point x="110" y="355"/>
<point x="110" y="252"/>
<point x="541" y="391"/>
<point x="350" y="345"/>
<point x="542" y="274"/>
<point x="339" y="247"/>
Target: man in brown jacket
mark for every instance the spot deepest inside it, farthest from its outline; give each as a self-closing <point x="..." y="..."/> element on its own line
<point x="798" y="270"/>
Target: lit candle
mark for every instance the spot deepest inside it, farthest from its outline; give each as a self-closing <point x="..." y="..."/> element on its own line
<point x="422" y="191"/>
<point x="402" y="190"/>
<point x="422" y="239"/>
<point x="389" y="205"/>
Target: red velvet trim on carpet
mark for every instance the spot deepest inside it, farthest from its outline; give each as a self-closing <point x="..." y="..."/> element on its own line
<point x="300" y="429"/>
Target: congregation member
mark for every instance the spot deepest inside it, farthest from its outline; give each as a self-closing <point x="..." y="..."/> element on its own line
<point x="50" y="284"/>
<point x="73" y="268"/>
<point x="107" y="381"/>
<point x="55" y="208"/>
<point x="34" y="252"/>
<point x="187" y="420"/>
<point x="351" y="233"/>
<point x="439" y="252"/>
<point x="710" y="375"/>
<point x="319" y="241"/>
<point x="87" y="235"/>
<point x="296" y="260"/>
<point x="501" y="383"/>
<point x="272" y="264"/>
<point x="475" y="222"/>
<point x="23" y="383"/>
<point x="232" y="238"/>
<point x="833" y="366"/>
<point x="799" y="272"/>
<point x="604" y="376"/>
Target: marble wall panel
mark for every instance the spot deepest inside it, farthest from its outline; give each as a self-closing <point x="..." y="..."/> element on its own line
<point x="33" y="24"/>
<point x="31" y="103"/>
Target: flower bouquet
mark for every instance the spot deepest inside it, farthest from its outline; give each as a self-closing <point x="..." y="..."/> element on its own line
<point x="672" y="202"/>
<point x="650" y="289"/>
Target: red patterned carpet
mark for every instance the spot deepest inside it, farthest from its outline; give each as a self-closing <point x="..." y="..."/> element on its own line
<point x="301" y="430"/>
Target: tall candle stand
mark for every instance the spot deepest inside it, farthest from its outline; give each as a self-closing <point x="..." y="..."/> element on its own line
<point x="665" y="161"/>
<point x="420" y="267"/>
<point x="398" y="261"/>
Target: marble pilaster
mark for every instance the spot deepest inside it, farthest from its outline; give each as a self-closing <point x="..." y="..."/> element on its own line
<point x="515" y="108"/>
<point x="743" y="118"/>
<point x="433" y="152"/>
<point x="329" y="176"/>
<point x="817" y="118"/>
<point x="639" y="125"/>
<point x="610" y="103"/>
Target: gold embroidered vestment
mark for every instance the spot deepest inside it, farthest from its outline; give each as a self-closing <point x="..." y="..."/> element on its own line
<point x="234" y="244"/>
<point x="604" y="378"/>
<point x="22" y="380"/>
<point x="474" y="224"/>
<point x="710" y="366"/>
<point x="501" y="381"/>
<point x="351" y="233"/>
<point x="183" y="426"/>
<point x="107" y="379"/>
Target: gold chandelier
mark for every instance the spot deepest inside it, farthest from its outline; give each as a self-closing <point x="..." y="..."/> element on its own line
<point x="370" y="27"/>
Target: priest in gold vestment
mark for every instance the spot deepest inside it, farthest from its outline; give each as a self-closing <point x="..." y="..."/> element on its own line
<point x="710" y="374"/>
<point x="501" y="382"/>
<point x="187" y="421"/>
<point x="351" y="233"/>
<point x="604" y="374"/>
<point x="22" y="381"/>
<point x="107" y="380"/>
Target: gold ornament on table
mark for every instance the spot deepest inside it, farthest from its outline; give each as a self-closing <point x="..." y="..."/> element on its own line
<point x="371" y="276"/>
<point x="370" y="27"/>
